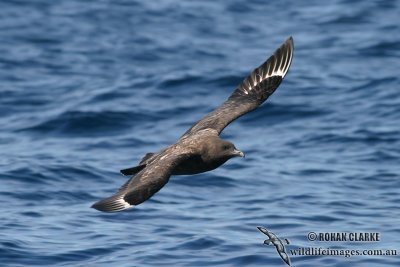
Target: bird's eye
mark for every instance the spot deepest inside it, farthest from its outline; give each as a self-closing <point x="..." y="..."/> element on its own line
<point x="225" y="147"/>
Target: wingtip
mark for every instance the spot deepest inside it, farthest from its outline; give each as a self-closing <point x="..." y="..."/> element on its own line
<point x="112" y="204"/>
<point x="285" y="54"/>
<point x="271" y="73"/>
<point x="279" y="63"/>
<point x="262" y="229"/>
<point x="290" y="41"/>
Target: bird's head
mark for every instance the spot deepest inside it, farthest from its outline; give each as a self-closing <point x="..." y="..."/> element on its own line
<point x="228" y="150"/>
<point x="217" y="151"/>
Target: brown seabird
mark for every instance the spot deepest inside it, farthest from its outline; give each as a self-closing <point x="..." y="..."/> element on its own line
<point x="200" y="148"/>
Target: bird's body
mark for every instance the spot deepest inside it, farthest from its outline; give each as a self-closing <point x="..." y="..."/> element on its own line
<point x="201" y="149"/>
<point x="202" y="157"/>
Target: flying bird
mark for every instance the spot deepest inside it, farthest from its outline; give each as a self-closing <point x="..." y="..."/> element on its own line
<point x="200" y="148"/>
<point x="274" y="240"/>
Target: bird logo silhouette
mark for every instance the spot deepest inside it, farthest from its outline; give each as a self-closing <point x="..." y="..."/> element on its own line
<point x="279" y="245"/>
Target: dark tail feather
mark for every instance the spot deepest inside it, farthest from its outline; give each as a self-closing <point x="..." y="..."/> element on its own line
<point x="133" y="170"/>
<point x="145" y="158"/>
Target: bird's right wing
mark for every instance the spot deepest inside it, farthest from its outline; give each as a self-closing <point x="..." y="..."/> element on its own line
<point x="144" y="184"/>
<point x="280" y="248"/>
<point x="251" y="93"/>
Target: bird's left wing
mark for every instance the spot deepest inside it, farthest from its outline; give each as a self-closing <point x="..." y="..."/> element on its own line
<point x="144" y="184"/>
<point x="252" y="92"/>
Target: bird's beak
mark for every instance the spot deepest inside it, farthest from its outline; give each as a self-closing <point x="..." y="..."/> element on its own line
<point x="238" y="153"/>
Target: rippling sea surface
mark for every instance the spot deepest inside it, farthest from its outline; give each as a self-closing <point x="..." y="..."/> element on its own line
<point x="88" y="87"/>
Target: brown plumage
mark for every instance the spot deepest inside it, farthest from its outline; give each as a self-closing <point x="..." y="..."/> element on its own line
<point x="201" y="149"/>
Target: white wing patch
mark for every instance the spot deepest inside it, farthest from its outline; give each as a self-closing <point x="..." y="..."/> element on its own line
<point x="112" y="204"/>
<point x="277" y="65"/>
<point x="121" y="202"/>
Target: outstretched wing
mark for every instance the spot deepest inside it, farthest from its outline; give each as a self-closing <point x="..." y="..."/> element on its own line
<point x="144" y="184"/>
<point x="252" y="92"/>
<point x="280" y="248"/>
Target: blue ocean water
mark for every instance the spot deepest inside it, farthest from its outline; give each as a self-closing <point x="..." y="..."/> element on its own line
<point x="88" y="87"/>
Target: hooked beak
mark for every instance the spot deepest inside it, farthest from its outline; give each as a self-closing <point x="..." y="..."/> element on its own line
<point x="238" y="153"/>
